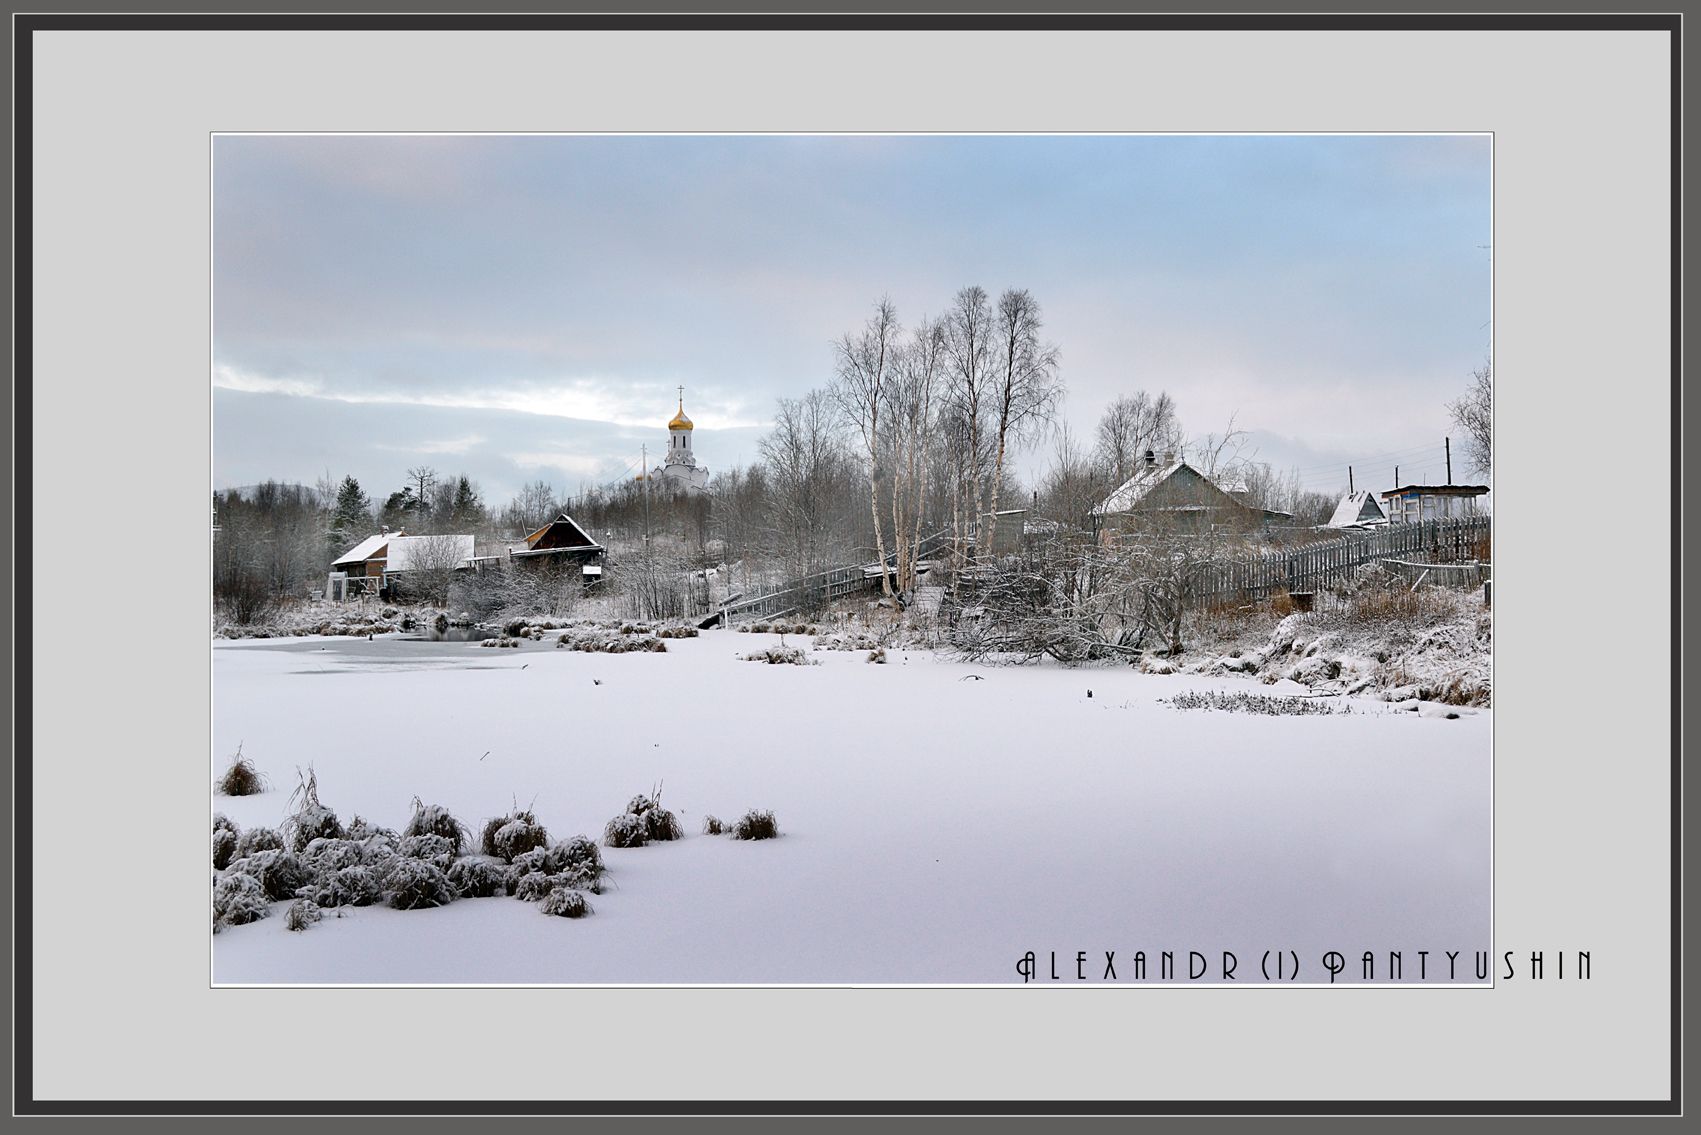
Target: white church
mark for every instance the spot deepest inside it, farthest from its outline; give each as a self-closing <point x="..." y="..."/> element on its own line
<point x="680" y="472"/>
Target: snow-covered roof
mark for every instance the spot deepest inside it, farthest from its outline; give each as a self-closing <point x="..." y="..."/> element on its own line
<point x="1356" y="508"/>
<point x="366" y="549"/>
<point x="406" y="552"/>
<point x="1131" y="492"/>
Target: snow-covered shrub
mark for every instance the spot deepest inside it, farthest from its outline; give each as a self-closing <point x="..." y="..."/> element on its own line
<point x="514" y="834"/>
<point x="238" y="899"/>
<point x="347" y="886"/>
<point x="755" y="825"/>
<point x="877" y="656"/>
<point x="626" y="830"/>
<point x="564" y="903"/>
<point x="712" y="825"/>
<point x="579" y="858"/>
<point x="415" y="883"/>
<point x="278" y="872"/>
<point x="681" y="630"/>
<point x="434" y="819"/>
<point x="224" y="847"/>
<point x="361" y="828"/>
<point x="322" y="855"/>
<point x="257" y="839"/>
<point x="302" y="914"/>
<point x="431" y="848"/>
<point x="222" y="822"/>
<point x="660" y="825"/>
<point x="241" y="778"/>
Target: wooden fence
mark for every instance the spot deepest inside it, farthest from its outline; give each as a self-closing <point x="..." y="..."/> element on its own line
<point x="1260" y="574"/>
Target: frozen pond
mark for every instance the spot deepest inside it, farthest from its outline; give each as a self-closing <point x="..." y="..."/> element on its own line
<point x="940" y="820"/>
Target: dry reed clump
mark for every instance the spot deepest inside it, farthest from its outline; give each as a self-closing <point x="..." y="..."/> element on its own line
<point x="564" y="903"/>
<point x="415" y="884"/>
<point x="877" y="656"/>
<point x="576" y="859"/>
<point x="241" y="778"/>
<point x="755" y="825"/>
<point x="644" y="821"/>
<point x="516" y="833"/>
<point x="434" y="819"/>
<point x="780" y="656"/>
<point x="239" y="899"/>
<point x="360" y="828"/>
<point x="478" y="878"/>
<point x="681" y="630"/>
<point x="309" y="820"/>
<point x="712" y="825"/>
<point x="302" y="914"/>
<point x="257" y="839"/>
<point x="1282" y="603"/>
<point x="535" y="885"/>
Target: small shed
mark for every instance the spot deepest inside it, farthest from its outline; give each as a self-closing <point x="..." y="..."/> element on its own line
<point x="1413" y="504"/>
<point x="1358" y="510"/>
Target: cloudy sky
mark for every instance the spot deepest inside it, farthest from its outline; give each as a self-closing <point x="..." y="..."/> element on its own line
<point x="522" y="308"/>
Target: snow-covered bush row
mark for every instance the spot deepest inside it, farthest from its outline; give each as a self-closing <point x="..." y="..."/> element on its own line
<point x="426" y="864"/>
<point x="1239" y="701"/>
<point x="322" y="617"/>
<point x="778" y="628"/>
<point x="598" y="641"/>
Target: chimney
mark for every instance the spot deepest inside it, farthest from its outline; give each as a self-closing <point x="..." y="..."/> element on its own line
<point x="1169" y="457"/>
<point x="1151" y="458"/>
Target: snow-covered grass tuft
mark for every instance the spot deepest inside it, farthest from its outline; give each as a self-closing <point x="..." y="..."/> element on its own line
<point x="577" y="858"/>
<point x="626" y="830"/>
<point x="357" y="885"/>
<point x="257" y="839"/>
<point x="564" y="903"/>
<point x="712" y="825"/>
<point x="302" y="914"/>
<point x="224" y="845"/>
<point x="660" y="825"/>
<point x="478" y="878"/>
<point x="780" y="656"/>
<point x="877" y="656"/>
<point x="514" y="834"/>
<point x="755" y="825"/>
<point x="431" y="848"/>
<point x="309" y="820"/>
<point x="239" y="899"/>
<point x="241" y="778"/>
<point x="434" y="819"/>
<point x="415" y="883"/>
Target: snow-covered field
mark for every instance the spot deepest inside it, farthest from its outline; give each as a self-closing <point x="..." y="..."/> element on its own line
<point x="935" y="827"/>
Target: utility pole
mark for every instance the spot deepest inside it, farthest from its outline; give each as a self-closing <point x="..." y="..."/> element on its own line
<point x="1448" y="442"/>
<point x="1349" y="480"/>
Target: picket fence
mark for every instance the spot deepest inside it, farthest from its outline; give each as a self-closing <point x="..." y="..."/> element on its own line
<point x="1262" y="573"/>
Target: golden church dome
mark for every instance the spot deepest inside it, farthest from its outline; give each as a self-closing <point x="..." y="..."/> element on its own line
<point x="680" y="421"/>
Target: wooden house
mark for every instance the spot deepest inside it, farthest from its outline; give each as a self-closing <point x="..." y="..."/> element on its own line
<point x="1172" y="494"/>
<point x="1413" y="504"/>
<point x="561" y="543"/>
<point x="362" y="566"/>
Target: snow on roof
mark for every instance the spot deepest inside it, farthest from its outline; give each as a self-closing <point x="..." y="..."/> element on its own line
<point x="366" y="549"/>
<point x="407" y="552"/>
<point x="1134" y="489"/>
<point x="1356" y="508"/>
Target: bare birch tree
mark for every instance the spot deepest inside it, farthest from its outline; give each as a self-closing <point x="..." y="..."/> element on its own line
<point x="1025" y="389"/>
<point x="969" y="341"/>
<point x="916" y="375"/>
<point x="1473" y="415"/>
<point x="861" y="389"/>
<point x="1130" y="426"/>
